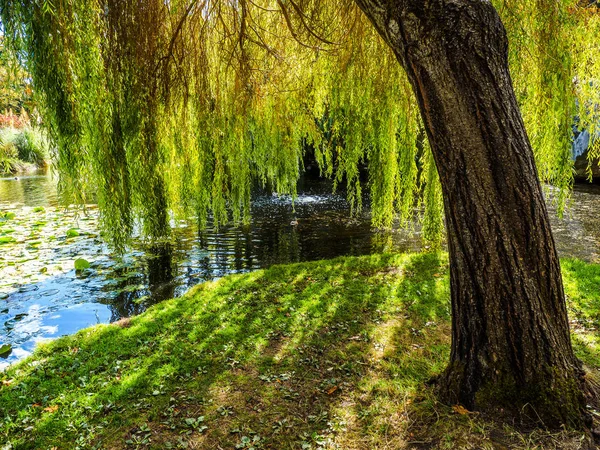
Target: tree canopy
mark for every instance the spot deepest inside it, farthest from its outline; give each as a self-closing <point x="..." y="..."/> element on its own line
<point x="171" y="109"/>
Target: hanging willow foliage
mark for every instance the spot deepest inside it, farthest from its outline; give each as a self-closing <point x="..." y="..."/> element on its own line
<point x="554" y="63"/>
<point x="166" y="109"/>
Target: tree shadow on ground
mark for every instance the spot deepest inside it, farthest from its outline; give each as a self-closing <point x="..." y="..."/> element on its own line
<point x="331" y="354"/>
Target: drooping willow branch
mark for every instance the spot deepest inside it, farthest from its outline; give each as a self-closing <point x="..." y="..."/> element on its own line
<point x="171" y="109"/>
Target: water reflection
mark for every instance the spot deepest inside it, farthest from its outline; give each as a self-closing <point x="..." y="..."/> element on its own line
<point x="577" y="234"/>
<point x="37" y="189"/>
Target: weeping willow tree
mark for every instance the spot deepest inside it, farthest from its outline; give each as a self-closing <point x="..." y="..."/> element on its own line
<point x="177" y="108"/>
<point x="147" y="103"/>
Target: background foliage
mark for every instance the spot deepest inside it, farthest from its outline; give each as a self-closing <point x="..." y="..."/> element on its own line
<point x="21" y="149"/>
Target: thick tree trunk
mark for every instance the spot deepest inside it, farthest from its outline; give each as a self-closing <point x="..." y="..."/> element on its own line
<point x="511" y="346"/>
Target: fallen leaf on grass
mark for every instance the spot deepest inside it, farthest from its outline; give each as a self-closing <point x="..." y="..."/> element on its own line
<point x="460" y="409"/>
<point x="332" y="390"/>
<point x="51" y="409"/>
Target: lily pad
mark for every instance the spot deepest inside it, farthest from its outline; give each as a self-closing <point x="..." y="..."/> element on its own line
<point x="81" y="264"/>
<point x="140" y="300"/>
<point x="7" y="240"/>
<point x="71" y="233"/>
<point x="28" y="288"/>
<point x="39" y="209"/>
<point x="3" y="295"/>
<point x="132" y="288"/>
<point x="50" y="292"/>
<point x="5" y="350"/>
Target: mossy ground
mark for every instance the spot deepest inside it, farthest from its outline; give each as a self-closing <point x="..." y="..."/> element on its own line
<point x="329" y="354"/>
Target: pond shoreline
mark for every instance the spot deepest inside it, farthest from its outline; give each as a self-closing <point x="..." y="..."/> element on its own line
<point x="42" y="296"/>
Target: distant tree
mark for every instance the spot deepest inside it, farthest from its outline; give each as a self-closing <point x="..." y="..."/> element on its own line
<point x="15" y="86"/>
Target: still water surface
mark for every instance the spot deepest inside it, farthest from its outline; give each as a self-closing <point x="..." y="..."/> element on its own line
<point x="43" y="297"/>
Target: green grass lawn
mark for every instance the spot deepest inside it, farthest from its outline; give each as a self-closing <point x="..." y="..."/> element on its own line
<point x="321" y="355"/>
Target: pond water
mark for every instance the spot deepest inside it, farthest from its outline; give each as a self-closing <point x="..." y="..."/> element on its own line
<point x="43" y="297"/>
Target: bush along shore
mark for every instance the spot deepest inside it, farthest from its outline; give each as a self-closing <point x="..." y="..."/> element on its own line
<point x="320" y="355"/>
<point x="22" y="150"/>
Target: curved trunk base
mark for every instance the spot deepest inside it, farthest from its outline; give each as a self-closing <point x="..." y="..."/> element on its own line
<point x="552" y="400"/>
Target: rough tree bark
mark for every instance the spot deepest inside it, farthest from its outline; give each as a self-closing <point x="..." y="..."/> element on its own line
<point x="511" y="346"/>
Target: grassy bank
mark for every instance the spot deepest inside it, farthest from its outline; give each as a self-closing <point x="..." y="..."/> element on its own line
<point x="330" y="354"/>
<point x="22" y="150"/>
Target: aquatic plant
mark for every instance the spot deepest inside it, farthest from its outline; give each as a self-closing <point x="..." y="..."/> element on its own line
<point x="8" y="157"/>
<point x="21" y="146"/>
<point x="32" y="147"/>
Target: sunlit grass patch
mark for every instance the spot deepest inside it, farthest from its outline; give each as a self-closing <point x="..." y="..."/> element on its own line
<point x="328" y="354"/>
